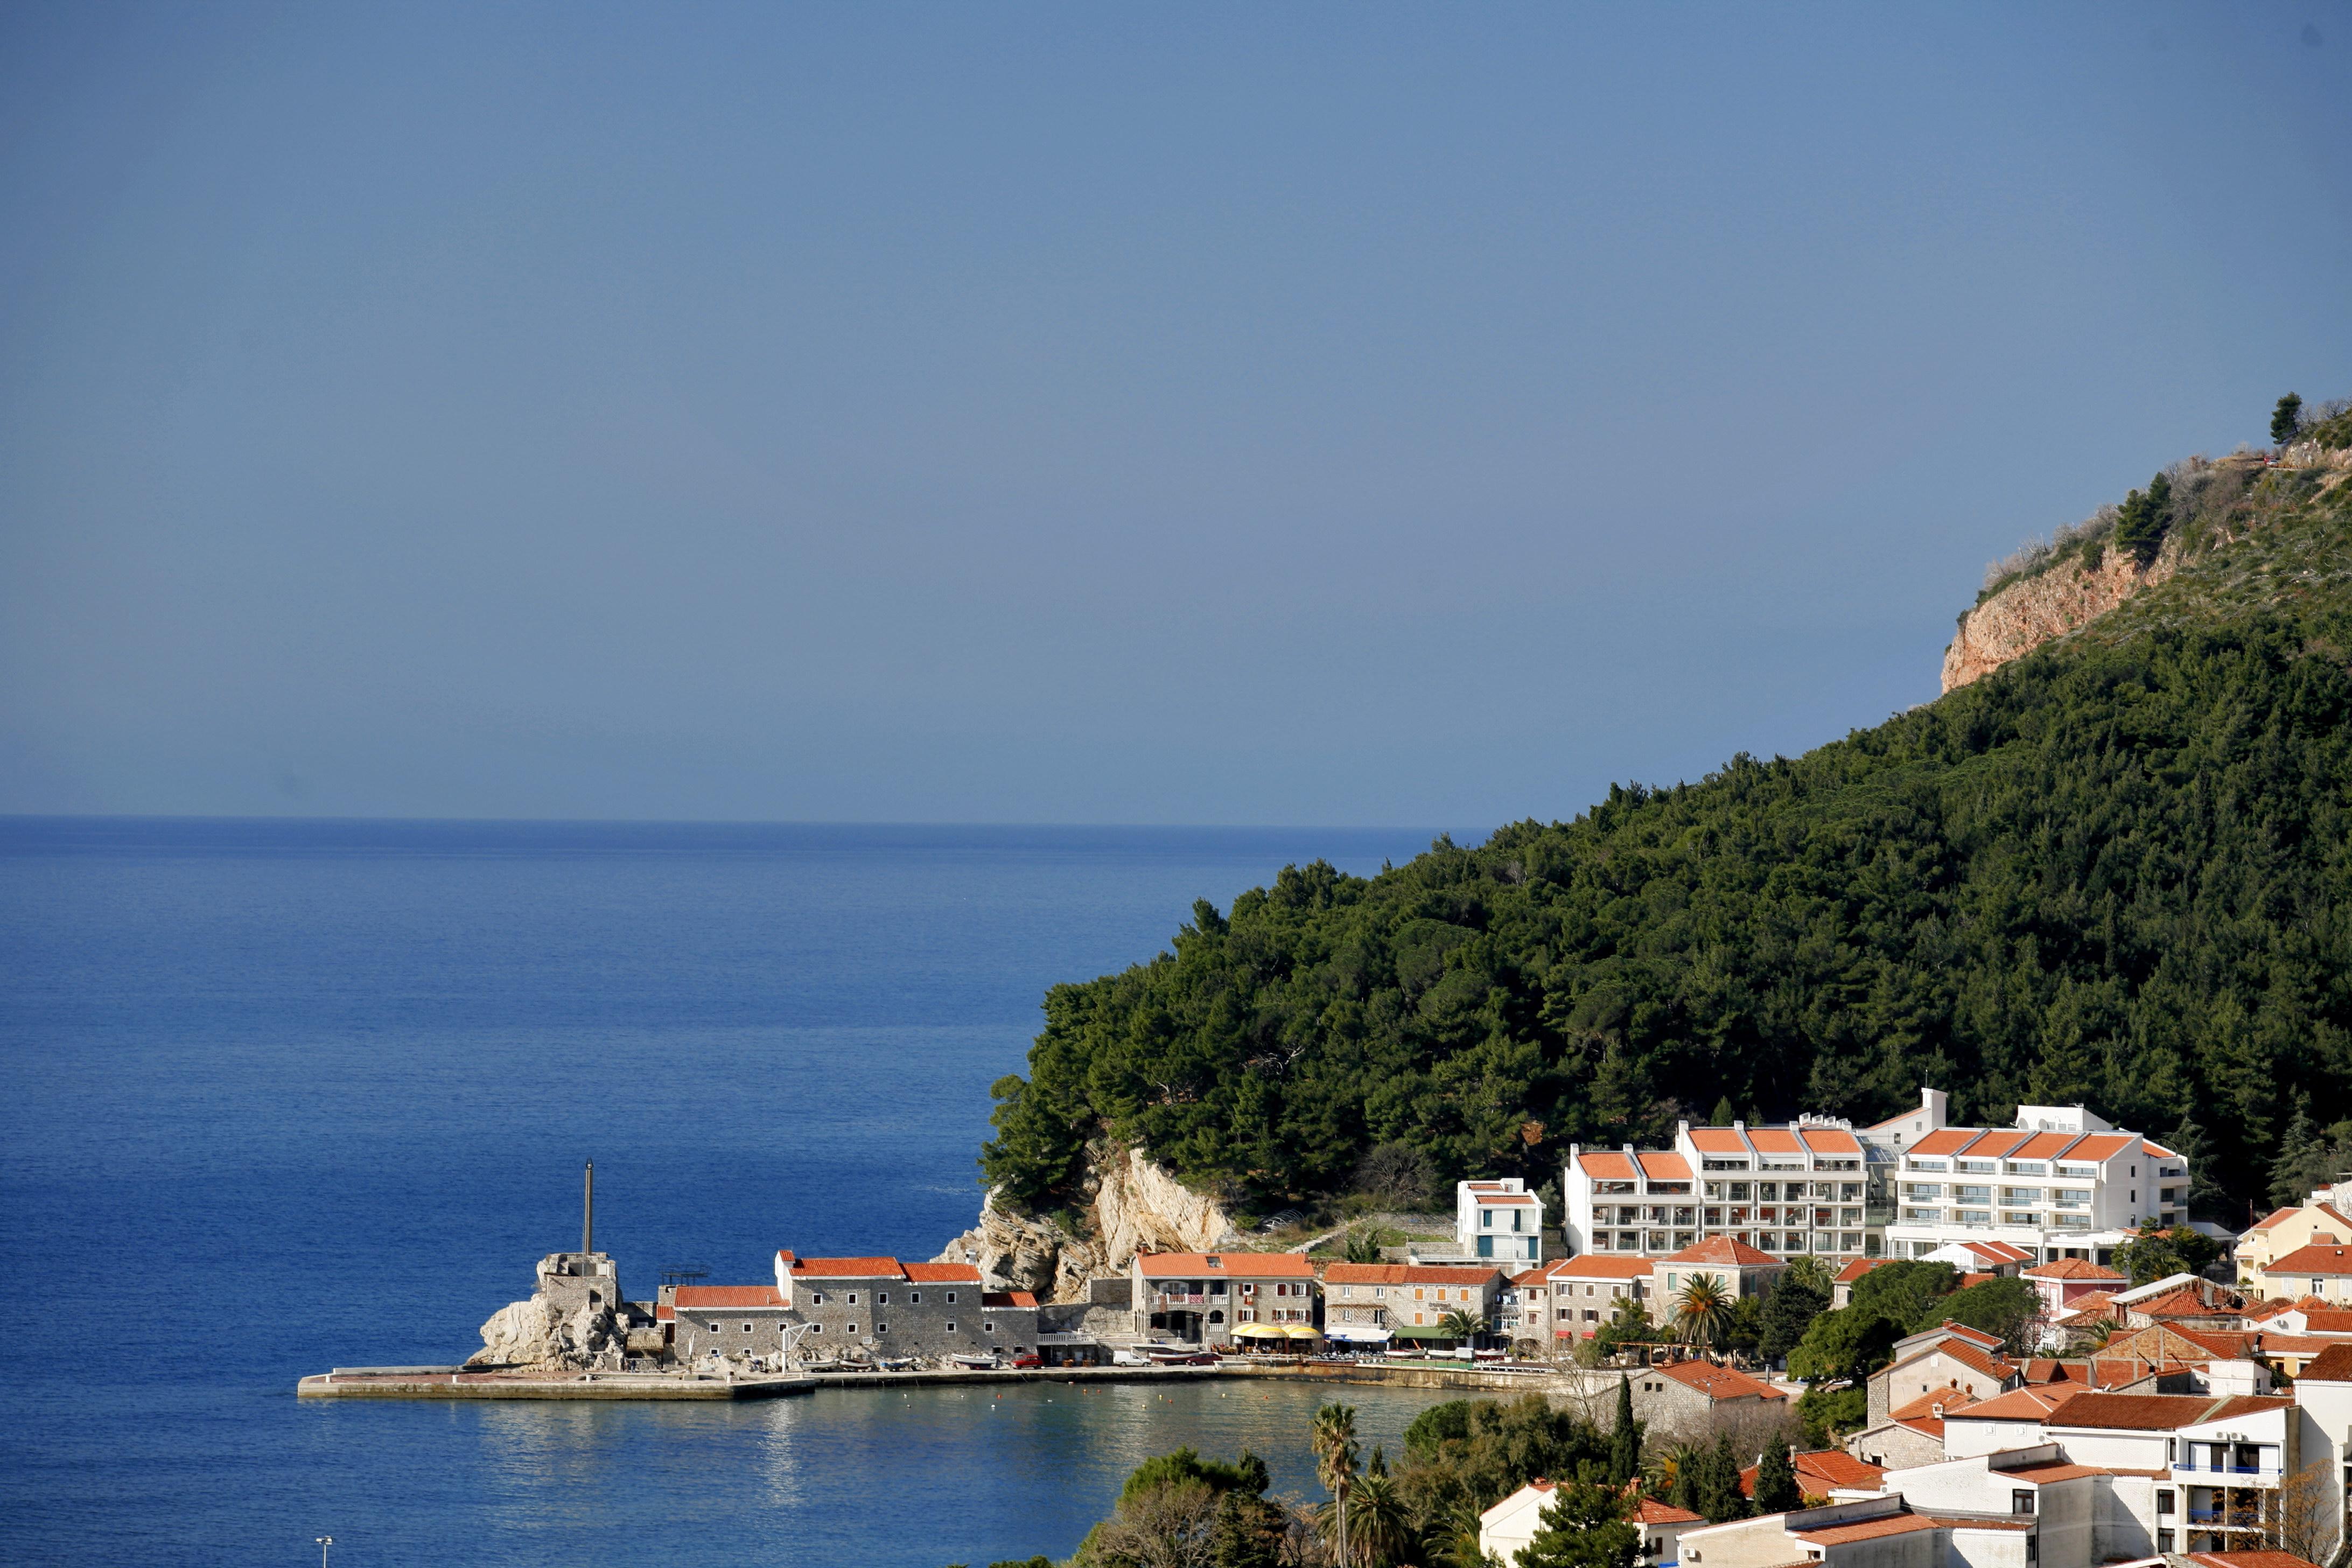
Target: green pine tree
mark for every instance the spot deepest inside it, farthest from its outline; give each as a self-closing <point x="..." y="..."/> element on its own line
<point x="1624" y="1439"/>
<point x="2290" y="1172"/>
<point x="1719" y="1497"/>
<point x="1776" y="1481"/>
<point x="2286" y="419"/>
<point x="1724" y="1115"/>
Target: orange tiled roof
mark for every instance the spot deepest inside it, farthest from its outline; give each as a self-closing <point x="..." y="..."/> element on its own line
<point x="2021" y="1404"/>
<point x="1725" y="1250"/>
<point x="2042" y="1146"/>
<point x="1600" y="1266"/>
<point x="847" y="1268"/>
<point x="2333" y="1365"/>
<point x="1007" y="1299"/>
<point x="2313" y="1259"/>
<point x="1858" y="1267"/>
<point x="1718" y="1140"/>
<point x="942" y="1273"/>
<point x="2251" y="1560"/>
<point x="726" y="1296"/>
<point x="1774" y="1141"/>
<point x="1226" y="1265"/>
<point x="2042" y="1474"/>
<point x="1462" y="1274"/>
<point x="2099" y="1146"/>
<point x="1606" y="1167"/>
<point x="2072" y="1268"/>
<point x="1650" y="1510"/>
<point x="1998" y="1145"/>
<point x="1664" y="1167"/>
<point x="2133" y="1412"/>
<point x="1719" y="1382"/>
<point x="1951" y="1401"/>
<point x="1830" y="1140"/>
<point x="1946" y="1140"/>
<point x="1866" y="1530"/>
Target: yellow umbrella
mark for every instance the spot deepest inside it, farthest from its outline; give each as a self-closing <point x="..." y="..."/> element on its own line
<point x="1299" y="1330"/>
<point x="1257" y="1332"/>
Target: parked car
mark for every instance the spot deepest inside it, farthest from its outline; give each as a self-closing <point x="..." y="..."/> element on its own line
<point x="1021" y="1362"/>
<point x="1129" y="1358"/>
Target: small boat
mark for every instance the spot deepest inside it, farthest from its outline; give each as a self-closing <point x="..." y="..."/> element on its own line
<point x="975" y="1362"/>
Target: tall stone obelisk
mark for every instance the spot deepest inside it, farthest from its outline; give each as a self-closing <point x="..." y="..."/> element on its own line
<point x="588" y="1208"/>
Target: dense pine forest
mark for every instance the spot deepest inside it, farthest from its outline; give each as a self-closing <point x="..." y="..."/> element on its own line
<point x="2118" y="871"/>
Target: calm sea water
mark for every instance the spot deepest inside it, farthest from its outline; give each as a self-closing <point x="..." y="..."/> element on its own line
<point x="276" y="1096"/>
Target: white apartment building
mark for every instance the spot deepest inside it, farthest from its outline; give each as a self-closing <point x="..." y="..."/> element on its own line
<point x="1499" y="1219"/>
<point x="1786" y="1190"/>
<point x="2062" y="1183"/>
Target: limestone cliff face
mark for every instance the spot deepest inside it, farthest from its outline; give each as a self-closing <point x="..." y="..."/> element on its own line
<point x="2029" y="613"/>
<point x="1131" y="1206"/>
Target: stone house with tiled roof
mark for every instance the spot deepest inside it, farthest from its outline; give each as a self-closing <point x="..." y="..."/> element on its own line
<point x="2319" y="1220"/>
<point x="1371" y="1303"/>
<point x="1739" y="1270"/>
<point x="1505" y="1528"/>
<point x="1202" y="1298"/>
<point x="2322" y="1270"/>
<point x="1949" y="1360"/>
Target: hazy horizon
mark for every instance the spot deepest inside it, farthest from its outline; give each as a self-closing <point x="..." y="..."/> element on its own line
<point x="1055" y="416"/>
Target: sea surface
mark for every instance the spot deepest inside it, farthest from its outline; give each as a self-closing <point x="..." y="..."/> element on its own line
<point x="278" y="1096"/>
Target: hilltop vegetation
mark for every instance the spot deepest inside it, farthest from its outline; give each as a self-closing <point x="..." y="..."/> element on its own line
<point x="2118" y="871"/>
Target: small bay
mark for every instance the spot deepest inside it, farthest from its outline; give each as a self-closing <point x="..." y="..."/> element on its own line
<point x="276" y="1096"/>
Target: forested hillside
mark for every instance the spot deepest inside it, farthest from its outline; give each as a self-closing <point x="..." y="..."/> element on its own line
<point x="2118" y="871"/>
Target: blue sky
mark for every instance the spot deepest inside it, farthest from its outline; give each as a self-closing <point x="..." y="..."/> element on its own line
<point x="1373" y="415"/>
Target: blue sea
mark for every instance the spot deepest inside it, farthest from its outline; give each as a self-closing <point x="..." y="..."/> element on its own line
<point x="277" y="1095"/>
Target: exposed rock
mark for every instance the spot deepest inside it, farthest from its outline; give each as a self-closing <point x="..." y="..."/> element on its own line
<point x="1132" y="1206"/>
<point x="564" y="1326"/>
<point x="2037" y="609"/>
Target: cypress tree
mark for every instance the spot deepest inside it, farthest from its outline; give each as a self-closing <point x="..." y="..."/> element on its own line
<point x="1624" y="1439"/>
<point x="1719" y="1497"/>
<point x="1776" y="1481"/>
<point x="1724" y="1115"/>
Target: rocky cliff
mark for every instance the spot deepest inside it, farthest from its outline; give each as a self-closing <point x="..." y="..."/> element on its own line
<point x="2033" y="610"/>
<point x="1131" y="1205"/>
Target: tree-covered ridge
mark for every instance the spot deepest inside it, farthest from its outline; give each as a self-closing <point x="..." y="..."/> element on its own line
<point x="2115" y="872"/>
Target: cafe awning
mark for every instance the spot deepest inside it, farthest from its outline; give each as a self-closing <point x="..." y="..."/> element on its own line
<point x="1257" y="1332"/>
<point x="1358" y="1336"/>
<point x="1299" y="1330"/>
<point x="1420" y="1332"/>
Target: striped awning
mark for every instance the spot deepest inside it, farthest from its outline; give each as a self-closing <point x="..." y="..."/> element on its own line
<point x="1257" y="1332"/>
<point x="1299" y="1330"/>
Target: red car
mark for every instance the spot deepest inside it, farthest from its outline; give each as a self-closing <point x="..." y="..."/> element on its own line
<point x="1023" y="1363"/>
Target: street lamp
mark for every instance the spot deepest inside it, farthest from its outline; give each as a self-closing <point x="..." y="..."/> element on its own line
<point x="324" y="1541"/>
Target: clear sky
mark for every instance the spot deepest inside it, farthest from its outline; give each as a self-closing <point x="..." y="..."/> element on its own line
<point x="1333" y="414"/>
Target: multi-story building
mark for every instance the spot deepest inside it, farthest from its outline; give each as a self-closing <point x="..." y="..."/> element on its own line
<point x="1499" y="1219"/>
<point x="2062" y="1183"/>
<point x="1371" y="1303"/>
<point x="1788" y="1190"/>
<point x="1202" y="1298"/>
<point x="2324" y="1218"/>
<point x="859" y="1307"/>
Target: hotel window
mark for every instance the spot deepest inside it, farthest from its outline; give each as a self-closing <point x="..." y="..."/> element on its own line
<point x="951" y="1328"/>
<point x="2164" y="1501"/>
<point x="747" y="1328"/>
<point x="881" y="1327"/>
<point x="816" y="1297"/>
<point x="987" y="1328"/>
<point x="914" y="1297"/>
<point x="849" y="1327"/>
<point x="2164" y="1540"/>
<point x="853" y="1298"/>
<point x="816" y="1327"/>
<point x="2020" y="1501"/>
<point x="951" y="1297"/>
<point x="882" y="1297"/>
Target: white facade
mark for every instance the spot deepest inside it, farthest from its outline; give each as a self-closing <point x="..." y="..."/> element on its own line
<point x="1499" y="1219"/>
<point x="1786" y="1190"/>
<point x="2062" y="1183"/>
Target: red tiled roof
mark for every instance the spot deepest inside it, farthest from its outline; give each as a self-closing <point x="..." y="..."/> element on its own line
<point x="1866" y="1530"/>
<point x="1946" y="1140"/>
<point x="1664" y="1167"/>
<point x="2001" y="1252"/>
<point x="1718" y="1140"/>
<point x="2072" y="1268"/>
<point x="2132" y="1412"/>
<point x="1409" y="1274"/>
<point x="2333" y="1365"/>
<point x="1951" y="1401"/>
<point x="942" y="1273"/>
<point x="1600" y="1266"/>
<point x="728" y="1297"/>
<point x="1821" y="1470"/>
<point x="1728" y="1249"/>
<point x="1503" y="1198"/>
<point x="1606" y="1167"/>
<point x="2238" y="1404"/>
<point x="1650" y="1510"/>
<point x="2021" y="1404"/>
<point x="847" y="1268"/>
<point x="1858" y="1267"/>
<point x="1007" y="1299"/>
<point x="1997" y="1145"/>
<point x="2184" y="1302"/>
<point x="1228" y="1264"/>
<point x="1976" y="1337"/>
<point x="2275" y="1215"/>
<point x="2040" y="1475"/>
<point x="2099" y="1147"/>
<point x="2313" y="1259"/>
<point x="1719" y="1382"/>
<point x="1969" y="1355"/>
<point x="2157" y="1150"/>
<point x="2334" y="1321"/>
<point x="2042" y="1146"/>
<point x="1830" y="1140"/>
<point x="2251" y="1560"/>
<point x="1774" y="1141"/>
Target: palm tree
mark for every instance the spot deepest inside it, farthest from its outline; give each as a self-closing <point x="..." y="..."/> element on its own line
<point x="1383" y="1530"/>
<point x="1336" y="1452"/>
<point x="1670" y="1470"/>
<point x="1362" y="1244"/>
<point x="1454" y="1537"/>
<point x="1702" y="1311"/>
<point x="1462" y="1324"/>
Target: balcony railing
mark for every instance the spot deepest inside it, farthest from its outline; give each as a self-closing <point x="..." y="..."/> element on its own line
<point x="2190" y="1472"/>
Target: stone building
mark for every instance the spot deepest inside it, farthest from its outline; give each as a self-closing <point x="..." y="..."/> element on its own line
<point x="1202" y="1298"/>
<point x="852" y="1307"/>
<point x="1371" y="1303"/>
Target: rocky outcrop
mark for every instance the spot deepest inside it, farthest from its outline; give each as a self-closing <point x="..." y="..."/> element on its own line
<point x="569" y="1324"/>
<point x="2034" y="610"/>
<point x="1131" y="1206"/>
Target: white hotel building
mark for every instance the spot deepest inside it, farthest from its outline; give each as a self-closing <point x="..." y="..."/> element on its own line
<point x="2061" y="1183"/>
<point x="1788" y="1190"/>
